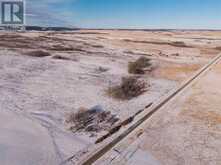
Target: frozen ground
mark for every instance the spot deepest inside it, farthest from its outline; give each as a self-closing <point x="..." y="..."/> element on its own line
<point x="38" y="92"/>
<point x="186" y="131"/>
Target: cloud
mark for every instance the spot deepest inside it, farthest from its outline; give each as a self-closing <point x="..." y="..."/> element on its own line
<point x="49" y="13"/>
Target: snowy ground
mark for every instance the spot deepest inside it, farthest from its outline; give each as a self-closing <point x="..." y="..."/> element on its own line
<point x="37" y="93"/>
<point x="186" y="130"/>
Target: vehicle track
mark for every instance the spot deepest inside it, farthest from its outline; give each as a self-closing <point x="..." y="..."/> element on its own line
<point x="102" y="149"/>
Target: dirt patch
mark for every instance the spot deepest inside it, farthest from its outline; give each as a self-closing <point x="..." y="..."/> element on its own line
<point x="210" y="116"/>
<point x="205" y="103"/>
<point x="173" y="71"/>
<point x="209" y="52"/>
<point x="200" y="112"/>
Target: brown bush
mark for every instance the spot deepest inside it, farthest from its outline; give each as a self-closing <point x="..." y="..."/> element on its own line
<point x="218" y="48"/>
<point x="130" y="87"/>
<point x="97" y="46"/>
<point x="78" y="117"/>
<point x="59" y="57"/>
<point x="138" y="66"/>
<point x="94" y="120"/>
<point x="38" y="53"/>
<point x="178" y="44"/>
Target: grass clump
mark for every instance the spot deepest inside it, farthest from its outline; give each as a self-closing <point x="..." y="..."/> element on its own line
<point x="178" y="44"/>
<point x="139" y="65"/>
<point x="38" y="53"/>
<point x="218" y="48"/>
<point x="61" y="48"/>
<point x="59" y="57"/>
<point x="129" y="88"/>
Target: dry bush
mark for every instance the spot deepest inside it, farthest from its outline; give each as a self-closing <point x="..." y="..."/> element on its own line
<point x="218" y="48"/>
<point x="59" y="57"/>
<point x="79" y="117"/>
<point x="38" y="53"/>
<point x="138" y="66"/>
<point x="97" y="46"/>
<point x="129" y="88"/>
<point x="101" y="69"/>
<point x="178" y="44"/>
<point x="91" y="120"/>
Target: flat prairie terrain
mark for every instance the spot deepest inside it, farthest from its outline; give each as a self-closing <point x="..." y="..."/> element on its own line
<point x="45" y="76"/>
<point x="184" y="131"/>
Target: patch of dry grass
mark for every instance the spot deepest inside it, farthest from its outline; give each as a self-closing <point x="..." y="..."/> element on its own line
<point x="139" y="65"/>
<point x="218" y="48"/>
<point x="97" y="46"/>
<point x="175" y="44"/>
<point x="61" y="48"/>
<point x="38" y="53"/>
<point x="179" y="44"/>
<point x="59" y="57"/>
<point x="129" y="88"/>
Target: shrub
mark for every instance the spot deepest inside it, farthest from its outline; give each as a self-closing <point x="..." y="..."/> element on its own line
<point x="95" y="119"/>
<point x="178" y="44"/>
<point x="102" y="69"/>
<point x="59" y="57"/>
<point x="218" y="48"/>
<point x="138" y="66"/>
<point x="130" y="87"/>
<point x="97" y="46"/>
<point x="80" y="117"/>
<point x="38" y="53"/>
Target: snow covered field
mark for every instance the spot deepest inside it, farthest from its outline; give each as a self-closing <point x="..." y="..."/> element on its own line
<point x="37" y="93"/>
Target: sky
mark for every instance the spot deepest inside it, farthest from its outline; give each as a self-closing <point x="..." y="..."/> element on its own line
<point x="141" y="14"/>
